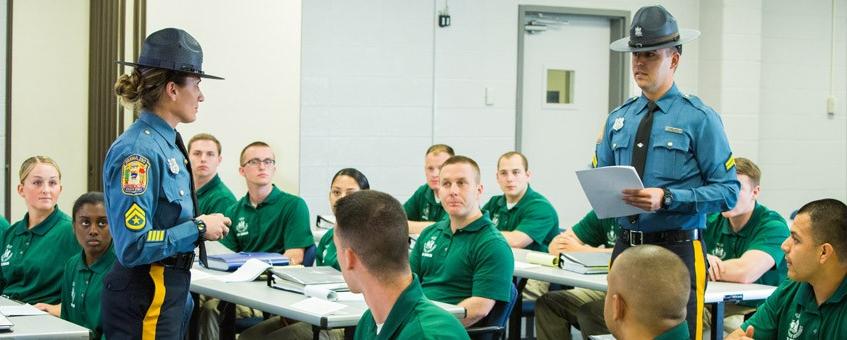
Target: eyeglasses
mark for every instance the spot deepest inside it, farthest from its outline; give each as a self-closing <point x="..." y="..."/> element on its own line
<point x="256" y="162"/>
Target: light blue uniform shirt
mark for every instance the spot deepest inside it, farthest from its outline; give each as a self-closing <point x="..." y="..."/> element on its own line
<point x="148" y="195"/>
<point x="688" y="155"/>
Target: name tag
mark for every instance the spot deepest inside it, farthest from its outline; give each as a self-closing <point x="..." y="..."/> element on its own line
<point x="673" y="129"/>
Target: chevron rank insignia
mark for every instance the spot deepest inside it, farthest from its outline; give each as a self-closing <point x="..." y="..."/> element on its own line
<point x="730" y="162"/>
<point x="135" y="218"/>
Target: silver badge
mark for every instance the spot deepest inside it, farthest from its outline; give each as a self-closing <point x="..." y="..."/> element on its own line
<point x="173" y="166"/>
<point x="618" y="124"/>
<point x="638" y="31"/>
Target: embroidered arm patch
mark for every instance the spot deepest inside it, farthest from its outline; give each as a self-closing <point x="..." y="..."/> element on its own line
<point x="134" y="175"/>
<point x="135" y="218"/>
<point x="730" y="162"/>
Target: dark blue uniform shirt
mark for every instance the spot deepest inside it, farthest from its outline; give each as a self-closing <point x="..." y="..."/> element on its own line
<point x="688" y="155"/>
<point x="148" y="196"/>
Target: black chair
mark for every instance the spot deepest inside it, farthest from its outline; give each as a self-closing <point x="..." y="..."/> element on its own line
<point x="493" y="326"/>
<point x="309" y="256"/>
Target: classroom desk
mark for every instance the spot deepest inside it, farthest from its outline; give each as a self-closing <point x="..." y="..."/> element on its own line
<point x="258" y="295"/>
<point x="41" y="326"/>
<point x="717" y="293"/>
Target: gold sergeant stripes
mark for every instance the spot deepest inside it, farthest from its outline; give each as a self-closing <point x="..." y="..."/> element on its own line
<point x="155" y="236"/>
<point x="729" y="163"/>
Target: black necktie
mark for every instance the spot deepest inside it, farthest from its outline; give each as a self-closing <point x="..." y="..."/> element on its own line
<point x="200" y="242"/>
<point x="642" y="140"/>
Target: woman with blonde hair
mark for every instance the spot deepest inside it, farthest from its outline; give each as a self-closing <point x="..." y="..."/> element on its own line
<point x="34" y="247"/>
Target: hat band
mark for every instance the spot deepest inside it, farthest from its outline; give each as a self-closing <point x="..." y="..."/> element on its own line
<point x="169" y="65"/>
<point x="659" y="41"/>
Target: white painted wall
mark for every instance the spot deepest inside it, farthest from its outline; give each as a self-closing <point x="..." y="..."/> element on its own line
<point x="255" y="45"/>
<point x="50" y="92"/>
<point x="382" y="83"/>
<point x="3" y="12"/>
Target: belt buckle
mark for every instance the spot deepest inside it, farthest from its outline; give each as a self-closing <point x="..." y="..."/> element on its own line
<point x="632" y="242"/>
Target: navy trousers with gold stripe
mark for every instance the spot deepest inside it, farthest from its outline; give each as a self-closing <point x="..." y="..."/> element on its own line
<point x="145" y="302"/>
<point x="693" y="254"/>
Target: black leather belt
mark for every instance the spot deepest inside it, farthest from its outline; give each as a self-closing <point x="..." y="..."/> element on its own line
<point x="182" y="261"/>
<point x="635" y="237"/>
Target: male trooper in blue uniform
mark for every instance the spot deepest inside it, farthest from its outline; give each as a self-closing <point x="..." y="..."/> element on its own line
<point x="150" y="200"/>
<point x="678" y="147"/>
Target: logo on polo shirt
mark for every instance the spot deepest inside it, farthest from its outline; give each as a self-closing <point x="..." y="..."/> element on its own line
<point x="795" y="328"/>
<point x="73" y="294"/>
<point x="611" y="238"/>
<point x="429" y="246"/>
<point x="241" y="227"/>
<point x="496" y="220"/>
<point x="719" y="251"/>
<point x="7" y="255"/>
<point x="425" y="212"/>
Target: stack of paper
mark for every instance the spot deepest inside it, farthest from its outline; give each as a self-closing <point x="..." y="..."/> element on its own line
<point x="585" y="262"/>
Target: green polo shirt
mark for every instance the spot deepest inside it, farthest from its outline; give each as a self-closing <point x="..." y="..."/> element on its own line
<point x="791" y="312"/>
<point x="413" y="316"/>
<point x="676" y="333"/>
<point x="475" y="261"/>
<point x="596" y="232"/>
<point x="4" y="224"/>
<point x="31" y="261"/>
<point x="326" y="254"/>
<point x="280" y="222"/>
<point x="423" y="207"/>
<point x="214" y="197"/>
<point x="532" y="215"/>
<point x="81" y="286"/>
<point x="765" y="231"/>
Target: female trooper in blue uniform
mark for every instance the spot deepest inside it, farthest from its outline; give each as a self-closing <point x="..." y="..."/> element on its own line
<point x="150" y="200"/>
<point x="677" y="145"/>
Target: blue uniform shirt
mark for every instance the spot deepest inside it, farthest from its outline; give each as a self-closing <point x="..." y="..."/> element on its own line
<point x="148" y="197"/>
<point x="688" y="155"/>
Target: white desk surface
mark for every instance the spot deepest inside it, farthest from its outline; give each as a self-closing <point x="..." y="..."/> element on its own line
<point x="41" y="326"/>
<point x="715" y="291"/>
<point x="258" y="295"/>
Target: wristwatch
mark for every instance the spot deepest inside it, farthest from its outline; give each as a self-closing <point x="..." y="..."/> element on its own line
<point x="201" y="227"/>
<point x="667" y="198"/>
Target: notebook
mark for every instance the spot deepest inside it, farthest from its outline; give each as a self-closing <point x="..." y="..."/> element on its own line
<point x="231" y="262"/>
<point x="5" y="324"/>
<point x="309" y="275"/>
<point x="585" y="262"/>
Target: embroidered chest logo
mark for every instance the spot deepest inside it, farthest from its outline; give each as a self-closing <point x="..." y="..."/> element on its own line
<point x="73" y="294"/>
<point x="7" y="255"/>
<point x="429" y="246"/>
<point x="496" y="220"/>
<point x="241" y="227"/>
<point x="719" y="251"/>
<point x="795" y="329"/>
<point x="425" y="212"/>
<point x="611" y="238"/>
<point x="134" y="175"/>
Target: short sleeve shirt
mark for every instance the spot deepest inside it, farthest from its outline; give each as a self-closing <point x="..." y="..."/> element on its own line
<point x="81" y="287"/>
<point x="422" y="206"/>
<point x="413" y="316"/>
<point x="32" y="259"/>
<point x="475" y="261"/>
<point x="792" y="312"/>
<point x="533" y="215"/>
<point x="278" y="223"/>
<point x="765" y="231"/>
<point x="214" y="197"/>
<point x="597" y="232"/>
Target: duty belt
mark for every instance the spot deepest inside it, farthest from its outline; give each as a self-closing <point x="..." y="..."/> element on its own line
<point x="182" y="261"/>
<point x="635" y="237"/>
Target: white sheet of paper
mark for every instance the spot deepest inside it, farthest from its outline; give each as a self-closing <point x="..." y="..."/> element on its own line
<point x="197" y="274"/>
<point x="21" y="310"/>
<point x="604" y="189"/>
<point x="349" y="296"/>
<point x="248" y="271"/>
<point x="525" y="265"/>
<point x="318" y="306"/>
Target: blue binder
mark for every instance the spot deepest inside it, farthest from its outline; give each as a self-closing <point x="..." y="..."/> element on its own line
<point x="231" y="262"/>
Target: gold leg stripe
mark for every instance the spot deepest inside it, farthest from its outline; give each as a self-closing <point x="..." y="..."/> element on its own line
<point x="151" y="319"/>
<point x="700" y="276"/>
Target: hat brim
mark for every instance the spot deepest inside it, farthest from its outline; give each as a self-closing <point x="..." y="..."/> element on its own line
<point x="685" y="36"/>
<point x="201" y="75"/>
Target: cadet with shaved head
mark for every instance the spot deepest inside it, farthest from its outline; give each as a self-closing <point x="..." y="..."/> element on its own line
<point x="650" y="306"/>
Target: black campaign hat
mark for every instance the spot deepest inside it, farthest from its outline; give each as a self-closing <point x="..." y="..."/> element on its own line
<point x="653" y="27"/>
<point x="172" y="49"/>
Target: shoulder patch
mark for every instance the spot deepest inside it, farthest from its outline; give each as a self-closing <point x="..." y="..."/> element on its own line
<point x="625" y="103"/>
<point x="729" y="163"/>
<point x="134" y="175"/>
<point x="135" y="218"/>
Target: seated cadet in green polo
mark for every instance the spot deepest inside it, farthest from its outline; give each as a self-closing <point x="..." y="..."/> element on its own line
<point x="557" y="311"/>
<point x="812" y="303"/>
<point x="743" y="244"/>
<point x="651" y="305"/>
<point x="378" y="268"/>
<point x="267" y="219"/>
<point x="423" y="208"/>
<point x="213" y="196"/>
<point x="84" y="272"/>
<point x="4" y="224"/>
<point x="35" y="247"/>
<point x="463" y="260"/>
<point x="525" y="217"/>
